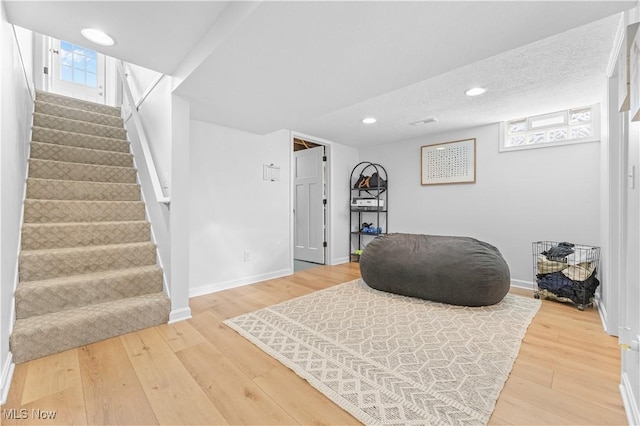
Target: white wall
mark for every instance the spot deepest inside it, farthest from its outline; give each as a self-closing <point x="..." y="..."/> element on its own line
<point x="15" y="122"/>
<point x="342" y="160"/>
<point x="140" y="79"/>
<point x="155" y="113"/>
<point x="25" y="45"/>
<point x="180" y="205"/>
<point x="234" y="210"/>
<point x="519" y="197"/>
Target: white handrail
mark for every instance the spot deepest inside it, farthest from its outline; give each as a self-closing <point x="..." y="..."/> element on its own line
<point x="148" y="158"/>
<point x="24" y="69"/>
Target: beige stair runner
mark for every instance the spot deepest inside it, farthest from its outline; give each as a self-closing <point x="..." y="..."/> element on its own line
<point x="87" y="267"/>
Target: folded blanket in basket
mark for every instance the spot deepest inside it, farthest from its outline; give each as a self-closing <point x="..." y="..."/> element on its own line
<point x="579" y="272"/>
<point x="546" y="266"/>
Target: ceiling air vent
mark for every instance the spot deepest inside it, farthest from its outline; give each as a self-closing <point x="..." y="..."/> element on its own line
<point x="425" y="121"/>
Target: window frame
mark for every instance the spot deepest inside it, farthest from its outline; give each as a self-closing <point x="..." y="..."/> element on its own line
<point x="595" y="126"/>
<point x="86" y="54"/>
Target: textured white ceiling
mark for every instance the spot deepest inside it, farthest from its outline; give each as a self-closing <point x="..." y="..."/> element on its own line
<point x="320" y="67"/>
<point x="560" y="72"/>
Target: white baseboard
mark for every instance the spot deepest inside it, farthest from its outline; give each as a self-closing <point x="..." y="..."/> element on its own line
<point x="340" y="260"/>
<point x="179" y="315"/>
<point x="630" y="406"/>
<point x="7" y="375"/>
<point x="226" y="285"/>
<point x="526" y="285"/>
<point x="602" y="310"/>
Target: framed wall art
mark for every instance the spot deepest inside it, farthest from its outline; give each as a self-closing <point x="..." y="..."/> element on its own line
<point x="449" y="162"/>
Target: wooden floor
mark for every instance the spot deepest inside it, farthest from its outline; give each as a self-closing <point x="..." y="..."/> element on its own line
<point x="201" y="372"/>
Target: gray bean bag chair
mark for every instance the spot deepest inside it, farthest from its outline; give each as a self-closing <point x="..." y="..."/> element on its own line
<point x="454" y="270"/>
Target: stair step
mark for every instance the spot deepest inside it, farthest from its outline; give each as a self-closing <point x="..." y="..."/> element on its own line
<point x="60" y="137"/>
<point x="35" y="298"/>
<point x="49" y="169"/>
<point x="87" y="269"/>
<point x="76" y="103"/>
<point x="69" y="154"/>
<point x="40" y="236"/>
<point x="43" y="335"/>
<point x="57" y="211"/>
<point x="36" y="265"/>
<point x="58" y="123"/>
<point x="50" y="189"/>
<point x="77" y="114"/>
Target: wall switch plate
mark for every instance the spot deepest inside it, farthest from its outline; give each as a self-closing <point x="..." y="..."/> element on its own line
<point x="247" y="256"/>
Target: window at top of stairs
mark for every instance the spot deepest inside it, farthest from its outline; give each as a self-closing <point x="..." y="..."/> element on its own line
<point x="78" y="64"/>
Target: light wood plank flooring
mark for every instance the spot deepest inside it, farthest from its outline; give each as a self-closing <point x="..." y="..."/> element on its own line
<point x="201" y="372"/>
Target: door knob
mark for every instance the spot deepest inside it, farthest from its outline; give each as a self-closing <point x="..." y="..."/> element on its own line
<point x="633" y="346"/>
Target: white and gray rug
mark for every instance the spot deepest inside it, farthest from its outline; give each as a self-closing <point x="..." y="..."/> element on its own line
<point x="394" y="360"/>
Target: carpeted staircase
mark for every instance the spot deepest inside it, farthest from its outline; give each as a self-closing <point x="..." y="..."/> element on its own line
<point x="87" y="267"/>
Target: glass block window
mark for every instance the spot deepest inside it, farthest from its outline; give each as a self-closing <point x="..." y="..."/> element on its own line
<point x="557" y="128"/>
<point x="78" y="64"/>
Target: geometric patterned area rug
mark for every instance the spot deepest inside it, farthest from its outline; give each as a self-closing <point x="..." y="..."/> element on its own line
<point x="395" y="360"/>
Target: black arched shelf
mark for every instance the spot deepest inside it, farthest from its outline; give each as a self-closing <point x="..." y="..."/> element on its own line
<point x="368" y="205"/>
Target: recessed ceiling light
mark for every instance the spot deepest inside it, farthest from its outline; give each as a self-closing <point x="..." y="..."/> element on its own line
<point x="475" y="91"/>
<point x="369" y="120"/>
<point x="98" y="37"/>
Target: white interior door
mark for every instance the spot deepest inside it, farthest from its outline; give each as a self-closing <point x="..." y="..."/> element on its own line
<point x="309" y="207"/>
<point x="77" y="71"/>
<point x="630" y="291"/>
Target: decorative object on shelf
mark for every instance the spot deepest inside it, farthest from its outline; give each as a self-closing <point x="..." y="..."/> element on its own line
<point x="373" y="181"/>
<point x="372" y="230"/>
<point x="376" y="181"/>
<point x="368" y="205"/>
<point x="355" y="256"/>
<point x="450" y="162"/>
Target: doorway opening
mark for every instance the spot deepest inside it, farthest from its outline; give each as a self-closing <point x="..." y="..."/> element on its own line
<point x="309" y="204"/>
<point x="76" y="71"/>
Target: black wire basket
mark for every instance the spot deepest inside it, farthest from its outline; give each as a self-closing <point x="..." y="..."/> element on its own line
<point x="566" y="272"/>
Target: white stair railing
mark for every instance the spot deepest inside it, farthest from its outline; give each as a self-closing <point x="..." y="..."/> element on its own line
<point x="144" y="142"/>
